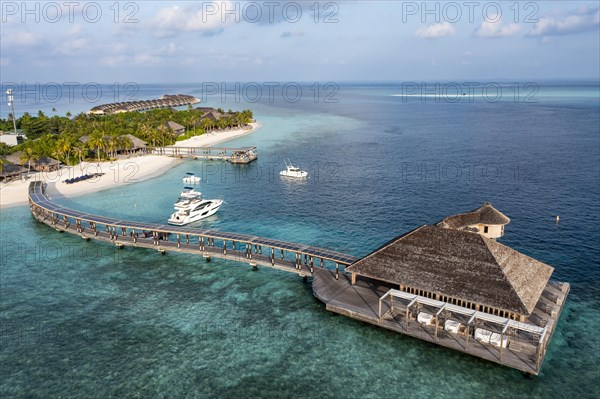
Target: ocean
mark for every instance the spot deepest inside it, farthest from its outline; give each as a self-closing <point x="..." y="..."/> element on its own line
<point x="81" y="319"/>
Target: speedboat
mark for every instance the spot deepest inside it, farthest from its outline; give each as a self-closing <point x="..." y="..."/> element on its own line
<point x="293" y="171"/>
<point x="197" y="209"/>
<point x="191" y="178"/>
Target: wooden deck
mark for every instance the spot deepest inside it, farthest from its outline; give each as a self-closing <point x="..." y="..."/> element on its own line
<point x="361" y="302"/>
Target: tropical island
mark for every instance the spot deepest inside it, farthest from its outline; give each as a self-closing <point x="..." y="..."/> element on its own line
<point x="51" y="140"/>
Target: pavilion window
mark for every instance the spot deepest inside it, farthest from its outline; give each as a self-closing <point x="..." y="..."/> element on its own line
<point x="485" y="229"/>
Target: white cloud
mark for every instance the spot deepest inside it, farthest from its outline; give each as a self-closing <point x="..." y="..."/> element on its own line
<point x="292" y="34"/>
<point x="489" y="29"/>
<point x="435" y="31"/>
<point x="21" y="38"/>
<point x="72" y="47"/>
<point x="172" y="20"/>
<point x="581" y="20"/>
<point x="146" y="58"/>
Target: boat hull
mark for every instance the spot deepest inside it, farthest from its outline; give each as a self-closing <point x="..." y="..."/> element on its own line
<point x="181" y="218"/>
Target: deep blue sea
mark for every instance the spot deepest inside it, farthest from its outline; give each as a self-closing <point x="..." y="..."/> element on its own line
<point x="81" y="319"/>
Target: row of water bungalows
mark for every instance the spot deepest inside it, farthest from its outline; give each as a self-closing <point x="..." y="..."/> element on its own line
<point x="166" y="101"/>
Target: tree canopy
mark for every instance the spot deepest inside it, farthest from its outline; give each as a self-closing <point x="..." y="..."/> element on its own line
<point x="58" y="136"/>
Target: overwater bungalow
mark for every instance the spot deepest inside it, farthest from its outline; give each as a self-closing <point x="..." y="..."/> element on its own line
<point x="166" y="101"/>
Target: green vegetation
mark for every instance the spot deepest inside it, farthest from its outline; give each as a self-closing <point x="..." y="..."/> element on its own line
<point x="58" y="136"/>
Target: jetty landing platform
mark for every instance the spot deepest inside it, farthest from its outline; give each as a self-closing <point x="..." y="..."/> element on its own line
<point x="368" y="301"/>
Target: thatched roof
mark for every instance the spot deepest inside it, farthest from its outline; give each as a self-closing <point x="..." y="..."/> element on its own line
<point x="15" y="158"/>
<point x="174" y="126"/>
<point x="485" y="214"/>
<point x="459" y="264"/>
<point x="204" y="109"/>
<point x="137" y="142"/>
<point x="214" y="115"/>
<point x="10" y="169"/>
<point x="85" y="138"/>
<point x="46" y="161"/>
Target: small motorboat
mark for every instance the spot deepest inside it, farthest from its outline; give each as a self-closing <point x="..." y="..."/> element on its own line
<point x="293" y="171"/>
<point x="191" y="178"/>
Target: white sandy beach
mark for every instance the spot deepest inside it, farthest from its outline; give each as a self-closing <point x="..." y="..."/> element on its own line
<point x="123" y="171"/>
<point x="213" y="138"/>
<point x="120" y="172"/>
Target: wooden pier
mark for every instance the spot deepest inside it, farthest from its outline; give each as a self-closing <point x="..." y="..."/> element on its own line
<point x="241" y="155"/>
<point x="366" y="301"/>
<point x="371" y="301"/>
<point x="296" y="258"/>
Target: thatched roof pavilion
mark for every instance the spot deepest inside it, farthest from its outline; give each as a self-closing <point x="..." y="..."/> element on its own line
<point x="14" y="158"/>
<point x="175" y="127"/>
<point x="138" y="143"/>
<point x="10" y="171"/>
<point x="485" y="219"/>
<point x="459" y="266"/>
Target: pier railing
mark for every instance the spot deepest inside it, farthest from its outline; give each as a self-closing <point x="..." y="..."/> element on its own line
<point x="239" y="155"/>
<point x="254" y="250"/>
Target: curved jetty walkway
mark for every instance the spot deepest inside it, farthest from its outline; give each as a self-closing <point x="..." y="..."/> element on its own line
<point x="291" y="257"/>
<point x="367" y="300"/>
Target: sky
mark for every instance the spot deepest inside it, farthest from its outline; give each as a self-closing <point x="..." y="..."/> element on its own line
<point x="177" y="42"/>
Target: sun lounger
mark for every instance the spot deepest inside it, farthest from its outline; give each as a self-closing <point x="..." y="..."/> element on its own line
<point x="489" y="337"/>
<point x="452" y="326"/>
<point x="425" y="318"/>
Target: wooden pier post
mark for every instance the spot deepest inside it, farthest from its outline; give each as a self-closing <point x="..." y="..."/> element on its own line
<point x="224" y="247"/>
<point x="337" y="271"/>
<point x="178" y="241"/>
<point x="312" y="264"/>
<point x="273" y="256"/>
<point x="322" y="263"/>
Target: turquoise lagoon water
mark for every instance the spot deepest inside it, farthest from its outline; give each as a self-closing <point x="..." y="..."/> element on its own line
<point x="81" y="319"/>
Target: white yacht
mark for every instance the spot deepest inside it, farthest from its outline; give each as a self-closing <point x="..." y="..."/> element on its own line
<point x="190" y="207"/>
<point x="197" y="209"/>
<point x="191" y="178"/>
<point x="190" y="193"/>
<point x="293" y="171"/>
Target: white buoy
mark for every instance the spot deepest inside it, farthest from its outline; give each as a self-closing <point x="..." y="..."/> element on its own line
<point x="557" y="218"/>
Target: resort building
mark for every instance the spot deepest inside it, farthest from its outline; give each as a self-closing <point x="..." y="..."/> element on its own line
<point x="166" y="101"/>
<point x="41" y="164"/>
<point x="175" y="127"/>
<point x="453" y="284"/>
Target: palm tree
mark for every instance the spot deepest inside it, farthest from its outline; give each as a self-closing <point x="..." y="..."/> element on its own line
<point x="125" y="143"/>
<point x="2" y="163"/>
<point x="79" y="149"/>
<point x="206" y="124"/>
<point x="147" y="133"/>
<point x="165" y="134"/>
<point x="64" y="147"/>
<point x="28" y="155"/>
<point x="112" y="145"/>
<point x="97" y="141"/>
